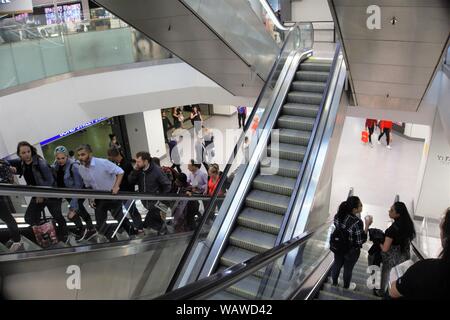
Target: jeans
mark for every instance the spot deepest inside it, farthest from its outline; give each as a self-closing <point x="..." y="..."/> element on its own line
<point x="81" y="214"/>
<point x="241" y="119"/>
<point x="115" y="207"/>
<point x="34" y="211"/>
<point x="7" y="217"/>
<point x="347" y="260"/>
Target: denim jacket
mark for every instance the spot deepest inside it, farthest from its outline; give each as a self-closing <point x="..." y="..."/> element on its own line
<point x="42" y="173"/>
<point x="71" y="180"/>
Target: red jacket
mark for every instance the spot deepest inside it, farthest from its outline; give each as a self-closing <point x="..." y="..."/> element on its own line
<point x="385" y="124"/>
<point x="370" y="123"/>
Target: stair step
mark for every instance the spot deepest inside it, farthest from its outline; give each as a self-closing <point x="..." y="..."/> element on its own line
<point x="274" y="183"/>
<point x="304" y="97"/>
<point x="246" y="288"/>
<point x="252" y="240"/>
<point x="318" y="76"/>
<point x="301" y="110"/>
<point x="296" y="122"/>
<point x="287" y="151"/>
<point x="350" y="294"/>
<point x="324" y="295"/>
<point x="224" y="295"/>
<point x="267" y="201"/>
<point x="234" y="255"/>
<point x="308" y="86"/>
<point x="315" y="66"/>
<point x="260" y="220"/>
<point x="286" y="168"/>
<point x="291" y="136"/>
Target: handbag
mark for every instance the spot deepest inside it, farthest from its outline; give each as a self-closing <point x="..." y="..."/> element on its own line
<point x="364" y="136"/>
<point x="45" y="232"/>
<point x="395" y="256"/>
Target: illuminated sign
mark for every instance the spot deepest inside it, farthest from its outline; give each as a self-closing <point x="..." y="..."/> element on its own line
<point x="72" y="131"/>
<point x="15" y="6"/>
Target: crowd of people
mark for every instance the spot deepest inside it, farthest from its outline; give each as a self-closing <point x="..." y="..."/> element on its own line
<point x="385" y="128"/>
<point x="85" y="171"/>
<point x="429" y="278"/>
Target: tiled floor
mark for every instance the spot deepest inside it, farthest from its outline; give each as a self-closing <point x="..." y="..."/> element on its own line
<point x="377" y="174"/>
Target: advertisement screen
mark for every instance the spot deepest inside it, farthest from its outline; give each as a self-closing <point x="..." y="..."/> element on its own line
<point x="67" y="13"/>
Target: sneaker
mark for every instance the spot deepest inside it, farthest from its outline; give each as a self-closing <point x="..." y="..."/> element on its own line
<point x="91" y="233"/>
<point x="371" y="144"/>
<point x="81" y="235"/>
<point x="163" y="230"/>
<point x="389" y="147"/>
<point x="352" y="286"/>
<point x="16" y="246"/>
<point x="379" y="142"/>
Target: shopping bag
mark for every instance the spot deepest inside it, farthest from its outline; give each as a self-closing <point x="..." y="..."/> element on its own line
<point x="45" y="232"/>
<point x="364" y="136"/>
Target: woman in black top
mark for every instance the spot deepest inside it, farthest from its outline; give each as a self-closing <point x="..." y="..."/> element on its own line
<point x="429" y="278"/>
<point x="196" y="119"/>
<point x="396" y="246"/>
<point x="347" y="219"/>
<point x="178" y="117"/>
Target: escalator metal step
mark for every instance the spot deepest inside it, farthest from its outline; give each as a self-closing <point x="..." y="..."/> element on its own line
<point x="301" y="110"/>
<point x="252" y="240"/>
<point x="308" y="86"/>
<point x="246" y="288"/>
<point x="304" y="97"/>
<point x="260" y="220"/>
<point x="291" y="136"/>
<point x="296" y="122"/>
<point x="274" y="183"/>
<point x="29" y="245"/>
<point x="286" y="168"/>
<point x="234" y="255"/>
<point x="353" y="295"/>
<point x="315" y="66"/>
<point x="311" y="76"/>
<point x="267" y="201"/>
<point x="287" y="151"/>
<point x="224" y="295"/>
<point x="324" y="295"/>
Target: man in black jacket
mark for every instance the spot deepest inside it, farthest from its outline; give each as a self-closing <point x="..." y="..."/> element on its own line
<point x="150" y="179"/>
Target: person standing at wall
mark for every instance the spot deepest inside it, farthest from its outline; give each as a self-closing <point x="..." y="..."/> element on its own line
<point x="178" y="117"/>
<point x="5" y="210"/>
<point x="37" y="172"/>
<point x="167" y="125"/>
<point x="68" y="176"/>
<point x="102" y="175"/>
<point x="370" y="127"/>
<point x="385" y="128"/>
<point x="242" y="115"/>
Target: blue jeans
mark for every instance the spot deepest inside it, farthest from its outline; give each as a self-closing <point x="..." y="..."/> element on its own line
<point x="347" y="260"/>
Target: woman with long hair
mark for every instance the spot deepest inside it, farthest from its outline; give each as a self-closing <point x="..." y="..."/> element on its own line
<point x="396" y="246"/>
<point x="429" y="278"/>
<point x="354" y="234"/>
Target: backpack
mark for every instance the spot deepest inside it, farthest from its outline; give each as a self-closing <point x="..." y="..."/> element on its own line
<point x="339" y="241"/>
<point x="5" y="174"/>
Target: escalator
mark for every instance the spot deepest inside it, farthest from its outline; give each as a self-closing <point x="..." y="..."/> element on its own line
<point x="260" y="220"/>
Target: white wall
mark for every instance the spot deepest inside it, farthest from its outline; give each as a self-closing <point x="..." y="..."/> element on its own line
<point x="434" y="196"/>
<point x="417" y="131"/>
<point x="137" y="133"/>
<point x="39" y="113"/>
<point x="155" y="133"/>
<point x="224" y="110"/>
<point x="311" y="10"/>
<point x="444" y="103"/>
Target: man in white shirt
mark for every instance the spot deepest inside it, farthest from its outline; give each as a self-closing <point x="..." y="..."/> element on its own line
<point x="102" y="175"/>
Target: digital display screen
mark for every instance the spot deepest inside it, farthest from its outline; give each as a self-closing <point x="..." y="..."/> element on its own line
<point x="68" y="13"/>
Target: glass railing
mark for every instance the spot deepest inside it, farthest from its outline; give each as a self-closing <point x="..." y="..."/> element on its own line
<point x="86" y="218"/>
<point x="291" y="263"/>
<point x="36" y="50"/>
<point x="244" y="150"/>
<point x="240" y="27"/>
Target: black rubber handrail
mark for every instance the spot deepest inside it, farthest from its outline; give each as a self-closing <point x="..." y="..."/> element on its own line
<point x="49" y="192"/>
<point x="218" y="281"/>
<point x="224" y="176"/>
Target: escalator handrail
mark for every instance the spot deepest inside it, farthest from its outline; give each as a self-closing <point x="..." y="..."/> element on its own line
<point x="224" y="175"/>
<point x="49" y="192"/>
<point x="218" y="281"/>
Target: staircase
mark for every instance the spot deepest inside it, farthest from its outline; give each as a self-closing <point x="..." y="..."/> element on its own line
<point x="259" y="221"/>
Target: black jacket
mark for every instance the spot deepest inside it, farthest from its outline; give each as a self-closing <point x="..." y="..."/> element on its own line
<point x="152" y="181"/>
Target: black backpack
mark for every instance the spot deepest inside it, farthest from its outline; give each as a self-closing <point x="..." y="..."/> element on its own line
<point x="339" y="241"/>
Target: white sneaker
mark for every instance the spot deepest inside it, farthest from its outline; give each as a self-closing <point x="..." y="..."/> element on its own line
<point x="389" y="147"/>
<point x="352" y="286"/>
<point x="16" y="246"/>
<point x="371" y="145"/>
<point x="379" y="142"/>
